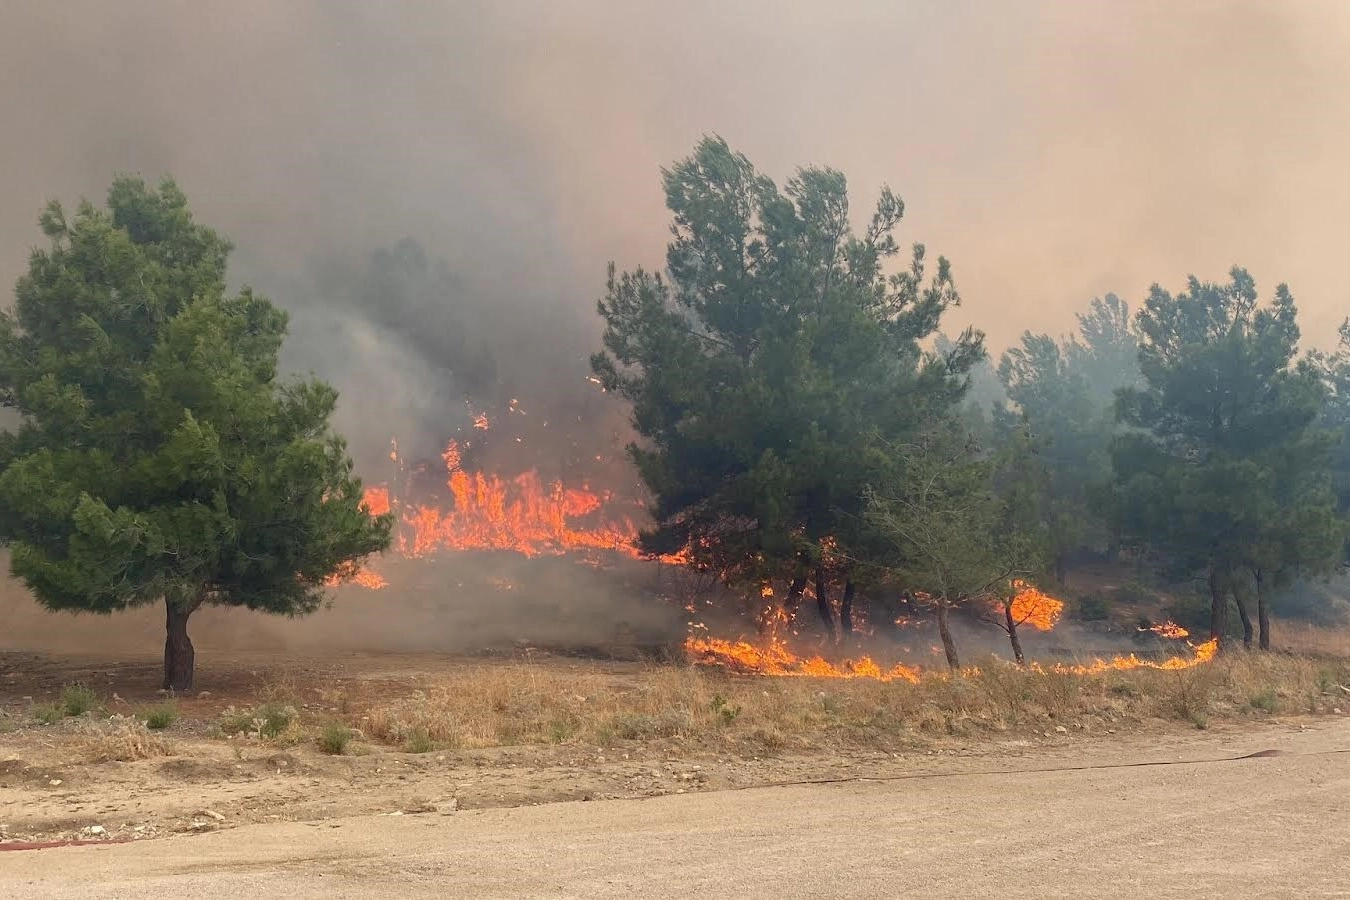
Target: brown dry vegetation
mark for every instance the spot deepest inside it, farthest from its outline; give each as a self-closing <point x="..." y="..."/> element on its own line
<point x="522" y="703"/>
<point x="503" y="704"/>
<point x="312" y="739"/>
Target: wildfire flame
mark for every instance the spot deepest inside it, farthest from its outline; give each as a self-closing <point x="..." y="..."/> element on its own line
<point x="524" y="514"/>
<point x="774" y="658"/>
<point x="1031" y="606"/>
<point x="1169" y="630"/>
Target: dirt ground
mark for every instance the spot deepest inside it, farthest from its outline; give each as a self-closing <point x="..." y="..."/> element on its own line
<point x="60" y="782"/>
<point x="1258" y="812"/>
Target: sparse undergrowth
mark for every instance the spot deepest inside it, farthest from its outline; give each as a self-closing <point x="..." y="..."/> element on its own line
<point x="161" y="716"/>
<point x="522" y="704"/>
<point x="272" y="720"/>
<point x="335" y="738"/>
<point x="505" y="704"/>
<point x="121" y="739"/>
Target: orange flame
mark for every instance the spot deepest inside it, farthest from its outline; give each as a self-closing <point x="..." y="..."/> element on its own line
<point x="1169" y="629"/>
<point x="1033" y="607"/>
<point x="774" y="658"/>
<point x="371" y="581"/>
<point x="524" y="514"/>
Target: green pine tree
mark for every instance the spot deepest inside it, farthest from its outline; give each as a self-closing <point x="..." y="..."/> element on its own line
<point x="769" y="369"/>
<point x="158" y="457"/>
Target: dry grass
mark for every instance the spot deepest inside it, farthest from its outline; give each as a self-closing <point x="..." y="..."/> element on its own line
<point x="1311" y="640"/>
<point x="522" y="704"/>
<point x="120" y="739"/>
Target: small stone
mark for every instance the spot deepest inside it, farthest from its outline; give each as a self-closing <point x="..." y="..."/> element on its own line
<point x="449" y="806"/>
<point x="212" y="814"/>
<point x="96" y="830"/>
<point x="55" y="782"/>
<point x="1337" y="710"/>
<point x="1060" y="729"/>
<point x="203" y="695"/>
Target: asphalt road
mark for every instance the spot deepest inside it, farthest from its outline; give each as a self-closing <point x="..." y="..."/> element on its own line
<point x="1271" y="826"/>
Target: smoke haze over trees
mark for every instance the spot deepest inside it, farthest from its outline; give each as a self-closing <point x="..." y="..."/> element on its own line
<point x="1046" y="151"/>
<point x="433" y="191"/>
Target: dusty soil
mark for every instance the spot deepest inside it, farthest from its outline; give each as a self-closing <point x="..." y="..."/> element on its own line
<point x="1256" y="813"/>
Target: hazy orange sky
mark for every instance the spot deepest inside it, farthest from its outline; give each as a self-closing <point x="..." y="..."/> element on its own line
<point x="1053" y="150"/>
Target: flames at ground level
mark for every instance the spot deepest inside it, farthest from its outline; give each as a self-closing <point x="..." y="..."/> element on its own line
<point x="774" y="658"/>
<point x="531" y="516"/>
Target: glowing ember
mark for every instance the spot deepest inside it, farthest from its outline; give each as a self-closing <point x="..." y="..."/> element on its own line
<point x="480" y="421"/>
<point x="371" y="581"/>
<point x="1170" y="630"/>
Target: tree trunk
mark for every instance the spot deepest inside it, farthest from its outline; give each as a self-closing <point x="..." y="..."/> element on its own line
<point x="1061" y="570"/>
<point x="846" y="608"/>
<point x="1011" y="624"/>
<point x="179" y="657"/>
<point x="823" y="603"/>
<point x="1218" y="607"/>
<point x="1262" y="613"/>
<point x="1245" y="617"/>
<point x="945" y="629"/>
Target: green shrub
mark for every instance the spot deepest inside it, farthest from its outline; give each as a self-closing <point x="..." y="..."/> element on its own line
<point x="270" y="720"/>
<point x="419" y="741"/>
<point x="334" y="738"/>
<point x="48" y="713"/>
<point x="161" y="716"/>
<point x="78" y="699"/>
<point x="1092" y="608"/>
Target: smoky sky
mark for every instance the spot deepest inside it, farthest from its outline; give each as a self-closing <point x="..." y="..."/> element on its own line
<point x="1053" y="150"/>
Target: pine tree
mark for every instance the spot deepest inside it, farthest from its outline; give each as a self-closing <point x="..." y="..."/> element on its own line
<point x="158" y="456"/>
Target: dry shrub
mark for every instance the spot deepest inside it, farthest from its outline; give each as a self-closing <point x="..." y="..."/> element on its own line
<point x="121" y="739"/>
<point x="526" y="703"/>
<point x="1311" y="640"/>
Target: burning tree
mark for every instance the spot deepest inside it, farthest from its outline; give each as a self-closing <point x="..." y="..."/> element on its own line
<point x="771" y="367"/>
<point x="1021" y="604"/>
<point x="158" y="457"/>
<point x="955" y="538"/>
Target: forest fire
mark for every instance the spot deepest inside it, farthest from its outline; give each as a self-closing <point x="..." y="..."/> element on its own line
<point x="1030" y="606"/>
<point x="774" y="658"/>
<point x="524" y="514"/>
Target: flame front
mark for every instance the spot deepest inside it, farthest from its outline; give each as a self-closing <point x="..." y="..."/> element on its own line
<point x="774" y="658"/>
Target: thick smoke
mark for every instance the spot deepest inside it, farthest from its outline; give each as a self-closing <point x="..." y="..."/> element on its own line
<point x="1054" y="150"/>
